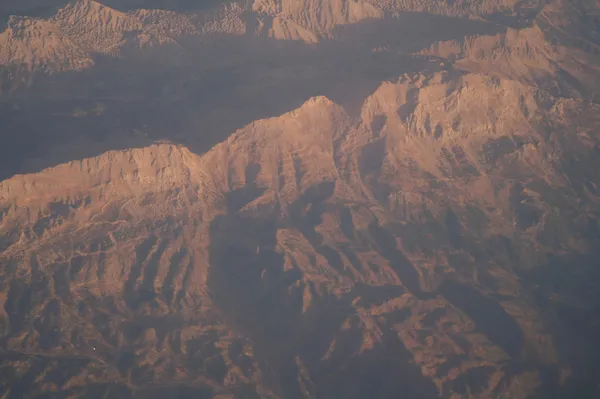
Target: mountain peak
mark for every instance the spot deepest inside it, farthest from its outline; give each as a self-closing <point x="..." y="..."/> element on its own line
<point x="318" y="101"/>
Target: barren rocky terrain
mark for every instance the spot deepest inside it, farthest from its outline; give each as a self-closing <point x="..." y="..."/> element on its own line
<point x="300" y="199"/>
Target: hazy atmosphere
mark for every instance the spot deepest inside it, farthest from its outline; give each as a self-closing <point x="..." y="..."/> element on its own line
<point x="300" y="199"/>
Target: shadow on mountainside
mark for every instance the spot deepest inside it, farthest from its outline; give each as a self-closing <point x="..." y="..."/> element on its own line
<point x="198" y="92"/>
<point x="265" y="301"/>
<point x="566" y="289"/>
<point x="60" y="370"/>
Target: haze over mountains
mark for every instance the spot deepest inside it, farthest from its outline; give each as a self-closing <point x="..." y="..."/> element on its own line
<point x="300" y="199"/>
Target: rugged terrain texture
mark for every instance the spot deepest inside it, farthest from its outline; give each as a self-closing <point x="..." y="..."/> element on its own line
<point x="68" y="40"/>
<point x="545" y="43"/>
<point x="395" y="204"/>
<point x="311" y="242"/>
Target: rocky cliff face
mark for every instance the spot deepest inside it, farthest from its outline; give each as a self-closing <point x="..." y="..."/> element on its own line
<point x="427" y="227"/>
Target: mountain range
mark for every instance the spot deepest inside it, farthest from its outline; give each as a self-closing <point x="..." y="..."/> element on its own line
<point x="300" y="199"/>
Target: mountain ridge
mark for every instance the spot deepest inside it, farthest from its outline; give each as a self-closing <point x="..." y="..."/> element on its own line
<point x="312" y="239"/>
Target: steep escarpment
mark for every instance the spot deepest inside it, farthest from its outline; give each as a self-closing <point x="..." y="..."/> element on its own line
<point x="313" y="16"/>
